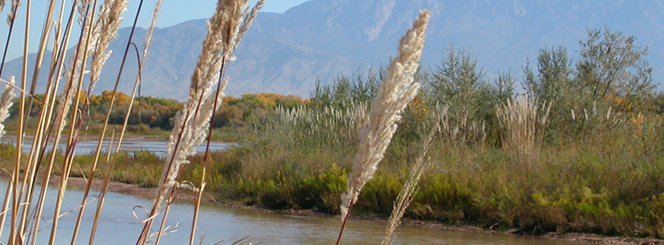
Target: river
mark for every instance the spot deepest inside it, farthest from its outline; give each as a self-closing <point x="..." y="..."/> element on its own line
<point x="131" y="145"/>
<point x="221" y="223"/>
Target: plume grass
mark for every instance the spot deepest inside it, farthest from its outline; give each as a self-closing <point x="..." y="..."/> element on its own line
<point x="5" y="103"/>
<point x="409" y="189"/>
<point x="394" y="93"/>
<point x="226" y="28"/>
<point x="524" y="122"/>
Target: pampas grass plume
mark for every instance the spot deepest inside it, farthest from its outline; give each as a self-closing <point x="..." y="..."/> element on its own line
<point x="394" y="93"/>
<point x="106" y="30"/>
<point x="12" y="13"/>
<point x="5" y="104"/>
<point x="225" y="28"/>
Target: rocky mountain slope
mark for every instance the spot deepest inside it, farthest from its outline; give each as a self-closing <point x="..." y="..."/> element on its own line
<point x="320" y="39"/>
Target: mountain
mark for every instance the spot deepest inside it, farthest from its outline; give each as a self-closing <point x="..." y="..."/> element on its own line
<point x="321" y="39"/>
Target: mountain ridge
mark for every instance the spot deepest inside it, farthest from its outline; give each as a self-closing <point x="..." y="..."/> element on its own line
<point x="321" y="39"/>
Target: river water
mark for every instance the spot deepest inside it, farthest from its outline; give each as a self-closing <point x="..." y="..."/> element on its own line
<point x="118" y="225"/>
<point x="89" y="146"/>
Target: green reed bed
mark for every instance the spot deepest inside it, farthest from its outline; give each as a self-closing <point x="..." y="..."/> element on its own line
<point x="604" y="187"/>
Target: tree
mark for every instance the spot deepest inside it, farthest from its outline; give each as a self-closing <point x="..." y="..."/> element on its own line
<point x="612" y="68"/>
<point x="554" y="75"/>
<point x="466" y="101"/>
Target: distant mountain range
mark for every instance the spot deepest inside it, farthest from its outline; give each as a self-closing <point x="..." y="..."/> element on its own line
<point x="320" y="39"/>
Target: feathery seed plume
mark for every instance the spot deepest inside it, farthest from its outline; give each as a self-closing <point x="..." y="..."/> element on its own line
<point x="106" y="29"/>
<point x="394" y="93"/>
<point x="71" y="76"/>
<point x="2" y="5"/>
<point x="192" y="122"/>
<point x="5" y="104"/>
<point x="409" y="188"/>
<point x="12" y="13"/>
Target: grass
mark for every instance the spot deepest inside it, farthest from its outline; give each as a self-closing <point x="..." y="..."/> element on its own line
<point x="582" y="188"/>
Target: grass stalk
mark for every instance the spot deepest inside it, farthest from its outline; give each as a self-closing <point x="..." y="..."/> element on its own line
<point x="74" y="79"/>
<point x="35" y="153"/>
<point x="409" y="188"/>
<point x="11" y="17"/>
<point x="5" y="103"/>
<point x="93" y="166"/>
<point x="111" y="161"/>
<point x="40" y="53"/>
<point x="217" y="102"/>
<point x="14" y="237"/>
<point x="225" y="29"/>
<point x="10" y="20"/>
<point x="394" y="93"/>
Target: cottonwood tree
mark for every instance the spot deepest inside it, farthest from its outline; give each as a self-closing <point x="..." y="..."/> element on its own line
<point x="554" y="75"/>
<point x="612" y="68"/>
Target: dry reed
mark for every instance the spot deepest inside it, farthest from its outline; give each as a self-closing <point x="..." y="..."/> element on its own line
<point x="225" y="29"/>
<point x="106" y="29"/>
<point x="463" y="131"/>
<point x="111" y="162"/>
<point x="524" y="122"/>
<point x="409" y="188"/>
<point x="394" y="93"/>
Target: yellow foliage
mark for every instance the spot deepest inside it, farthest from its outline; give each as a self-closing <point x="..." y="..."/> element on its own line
<point x="106" y="96"/>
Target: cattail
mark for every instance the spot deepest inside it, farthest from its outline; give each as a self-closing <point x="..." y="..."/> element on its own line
<point x="409" y="188"/>
<point x="6" y="103"/>
<point x="106" y="29"/>
<point x="394" y="93"/>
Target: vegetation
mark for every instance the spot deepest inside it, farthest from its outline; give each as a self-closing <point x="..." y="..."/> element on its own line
<point x="580" y="151"/>
<point x="558" y="158"/>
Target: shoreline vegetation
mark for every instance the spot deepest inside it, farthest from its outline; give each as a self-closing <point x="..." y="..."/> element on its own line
<point x="80" y="183"/>
<point x="581" y="150"/>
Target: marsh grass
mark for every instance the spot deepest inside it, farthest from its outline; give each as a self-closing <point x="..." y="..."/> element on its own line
<point x="524" y="123"/>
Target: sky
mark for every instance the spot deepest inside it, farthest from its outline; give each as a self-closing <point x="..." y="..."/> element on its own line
<point x="177" y="11"/>
<point x="172" y="13"/>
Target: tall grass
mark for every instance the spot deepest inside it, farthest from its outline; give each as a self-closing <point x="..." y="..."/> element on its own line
<point x="394" y="93"/>
<point x="524" y="122"/>
<point x="66" y="100"/>
<point x="5" y="103"/>
<point x="226" y="29"/>
<point x="409" y="189"/>
<point x="97" y="30"/>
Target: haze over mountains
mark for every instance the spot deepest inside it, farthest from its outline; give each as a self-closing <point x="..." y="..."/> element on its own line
<point x="320" y="39"/>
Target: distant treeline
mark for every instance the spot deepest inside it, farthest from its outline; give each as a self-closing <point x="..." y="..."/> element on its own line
<point x="158" y="113"/>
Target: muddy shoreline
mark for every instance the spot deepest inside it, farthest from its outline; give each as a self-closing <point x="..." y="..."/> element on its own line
<point x="134" y="190"/>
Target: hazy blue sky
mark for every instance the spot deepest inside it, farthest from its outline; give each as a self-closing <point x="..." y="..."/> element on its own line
<point x="176" y="11"/>
<point x="173" y="12"/>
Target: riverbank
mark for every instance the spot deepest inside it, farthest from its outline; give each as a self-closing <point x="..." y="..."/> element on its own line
<point x="136" y="190"/>
<point x="309" y="184"/>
